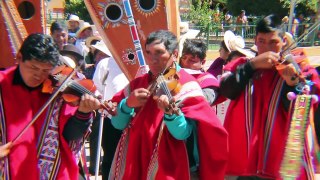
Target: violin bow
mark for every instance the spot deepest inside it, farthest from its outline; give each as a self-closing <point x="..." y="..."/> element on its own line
<point x="299" y="39"/>
<point x="60" y="89"/>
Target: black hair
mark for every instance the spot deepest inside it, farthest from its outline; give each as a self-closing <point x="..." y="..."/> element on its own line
<point x="58" y="26"/>
<point x="270" y="23"/>
<point x="166" y="37"/>
<point x="224" y="46"/>
<point x="232" y="55"/>
<point x="40" y="47"/>
<point x="195" y="47"/>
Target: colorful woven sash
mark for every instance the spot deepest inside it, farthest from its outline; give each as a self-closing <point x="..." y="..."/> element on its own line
<point x="296" y="145"/>
<point x="153" y="166"/>
<point x="48" y="144"/>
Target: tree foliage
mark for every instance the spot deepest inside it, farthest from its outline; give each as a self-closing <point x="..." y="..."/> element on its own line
<point x="257" y="7"/>
<point x="78" y="8"/>
<point x="264" y="7"/>
<point x="306" y="7"/>
<point x="206" y="19"/>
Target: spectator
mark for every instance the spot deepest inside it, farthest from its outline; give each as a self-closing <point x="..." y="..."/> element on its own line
<point x="74" y="25"/>
<point x="242" y="23"/>
<point x="59" y="33"/>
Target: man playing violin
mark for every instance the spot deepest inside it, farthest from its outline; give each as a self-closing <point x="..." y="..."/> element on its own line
<point x="152" y="145"/>
<point x="48" y="148"/>
<point x="258" y="123"/>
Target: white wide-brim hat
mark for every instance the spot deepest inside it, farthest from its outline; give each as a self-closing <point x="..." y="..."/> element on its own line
<point x="236" y="43"/>
<point x="232" y="41"/>
<point x="68" y="61"/>
<point x="101" y="46"/>
<point x="186" y="33"/>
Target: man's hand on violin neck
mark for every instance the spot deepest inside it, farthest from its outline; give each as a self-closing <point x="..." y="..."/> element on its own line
<point x="289" y="74"/>
<point x="265" y="60"/>
<point x="164" y="104"/>
<point x="138" y="98"/>
<point x="88" y="103"/>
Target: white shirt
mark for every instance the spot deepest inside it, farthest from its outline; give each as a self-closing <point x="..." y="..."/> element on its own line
<point x="108" y="78"/>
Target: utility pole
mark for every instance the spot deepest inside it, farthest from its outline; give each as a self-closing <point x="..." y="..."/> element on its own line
<point x="292" y="6"/>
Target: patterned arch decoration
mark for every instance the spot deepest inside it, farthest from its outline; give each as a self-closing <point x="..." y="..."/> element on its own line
<point x="14" y="29"/>
<point x="125" y="24"/>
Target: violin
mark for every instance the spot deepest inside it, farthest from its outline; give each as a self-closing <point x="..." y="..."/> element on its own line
<point x="167" y="83"/>
<point x="74" y="89"/>
<point x="296" y="56"/>
<point x="58" y="83"/>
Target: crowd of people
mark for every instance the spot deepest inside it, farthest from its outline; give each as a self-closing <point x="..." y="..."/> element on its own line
<point x="164" y="124"/>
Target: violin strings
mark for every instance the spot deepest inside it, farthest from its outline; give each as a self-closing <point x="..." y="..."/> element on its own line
<point x="165" y="88"/>
<point x="80" y="88"/>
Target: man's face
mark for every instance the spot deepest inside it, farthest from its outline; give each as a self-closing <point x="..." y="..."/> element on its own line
<point x="223" y="53"/>
<point x="157" y="57"/>
<point x="73" y="24"/>
<point x="34" y="72"/>
<point x="191" y="62"/>
<point x="269" y="42"/>
<point x="86" y="33"/>
<point x="60" y="37"/>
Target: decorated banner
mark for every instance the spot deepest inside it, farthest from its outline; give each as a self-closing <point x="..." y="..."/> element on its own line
<point x="125" y="24"/>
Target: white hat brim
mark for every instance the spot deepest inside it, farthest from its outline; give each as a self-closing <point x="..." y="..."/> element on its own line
<point x="190" y="34"/>
<point x="249" y="54"/>
<point x="68" y="61"/>
<point x="103" y="48"/>
<point x="228" y="36"/>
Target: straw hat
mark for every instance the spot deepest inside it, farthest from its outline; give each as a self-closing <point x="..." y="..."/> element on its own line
<point x="73" y="17"/>
<point x="70" y="49"/>
<point x="236" y="43"/>
<point x="90" y="39"/>
<point x="82" y="28"/>
<point x="186" y="33"/>
<point x="101" y="46"/>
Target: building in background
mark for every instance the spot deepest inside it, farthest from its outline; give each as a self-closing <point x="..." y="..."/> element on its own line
<point x="55" y="9"/>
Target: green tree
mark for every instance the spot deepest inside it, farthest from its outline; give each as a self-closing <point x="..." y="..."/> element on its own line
<point x="78" y="8"/>
<point x="306" y="7"/>
<point x="257" y="7"/>
<point x="206" y="19"/>
<point x="264" y="7"/>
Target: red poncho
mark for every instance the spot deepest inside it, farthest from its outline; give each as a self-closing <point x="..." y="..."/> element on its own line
<point x="170" y="161"/>
<point x="20" y="105"/>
